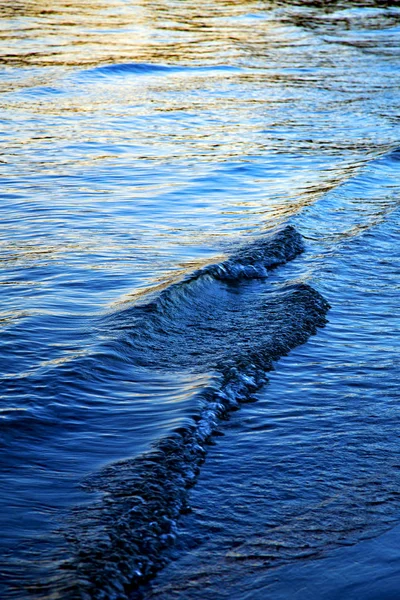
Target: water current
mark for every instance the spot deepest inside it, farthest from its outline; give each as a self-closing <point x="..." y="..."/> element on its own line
<point x="200" y="210"/>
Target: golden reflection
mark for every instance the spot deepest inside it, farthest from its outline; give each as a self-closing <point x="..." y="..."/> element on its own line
<point x="11" y="317"/>
<point x="76" y="33"/>
<point x="157" y="284"/>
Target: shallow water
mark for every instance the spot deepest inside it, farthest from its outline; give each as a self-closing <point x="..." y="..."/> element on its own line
<point x="142" y="142"/>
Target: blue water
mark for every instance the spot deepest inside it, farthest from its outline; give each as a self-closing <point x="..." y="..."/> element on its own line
<point x="314" y="464"/>
<point x="142" y="143"/>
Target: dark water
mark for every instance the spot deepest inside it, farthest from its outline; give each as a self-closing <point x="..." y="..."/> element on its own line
<point x="185" y="191"/>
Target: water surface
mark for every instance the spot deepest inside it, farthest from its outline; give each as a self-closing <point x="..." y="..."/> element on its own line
<point x="142" y="142"/>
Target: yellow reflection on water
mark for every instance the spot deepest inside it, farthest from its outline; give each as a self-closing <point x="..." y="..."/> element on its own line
<point x="76" y="32"/>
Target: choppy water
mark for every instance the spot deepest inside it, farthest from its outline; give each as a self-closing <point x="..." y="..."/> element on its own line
<point x="185" y="191"/>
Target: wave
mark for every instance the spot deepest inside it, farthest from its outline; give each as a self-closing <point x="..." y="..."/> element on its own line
<point x="394" y="155"/>
<point x="212" y="316"/>
<point x="222" y="319"/>
<point x="256" y="259"/>
<point x="119" y="69"/>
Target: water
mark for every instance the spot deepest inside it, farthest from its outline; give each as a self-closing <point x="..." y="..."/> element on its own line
<point x="142" y="143"/>
<point x="314" y="464"/>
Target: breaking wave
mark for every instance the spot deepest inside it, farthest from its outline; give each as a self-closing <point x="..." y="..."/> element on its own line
<point x="224" y="319"/>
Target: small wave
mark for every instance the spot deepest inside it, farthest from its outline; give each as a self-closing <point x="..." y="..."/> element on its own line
<point x="255" y="260"/>
<point x="123" y="69"/>
<point x="123" y="540"/>
<point x="393" y="155"/>
<point x="207" y="320"/>
<point x="130" y="68"/>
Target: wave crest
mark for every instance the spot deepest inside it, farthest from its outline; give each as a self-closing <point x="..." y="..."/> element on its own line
<point x="124" y="539"/>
